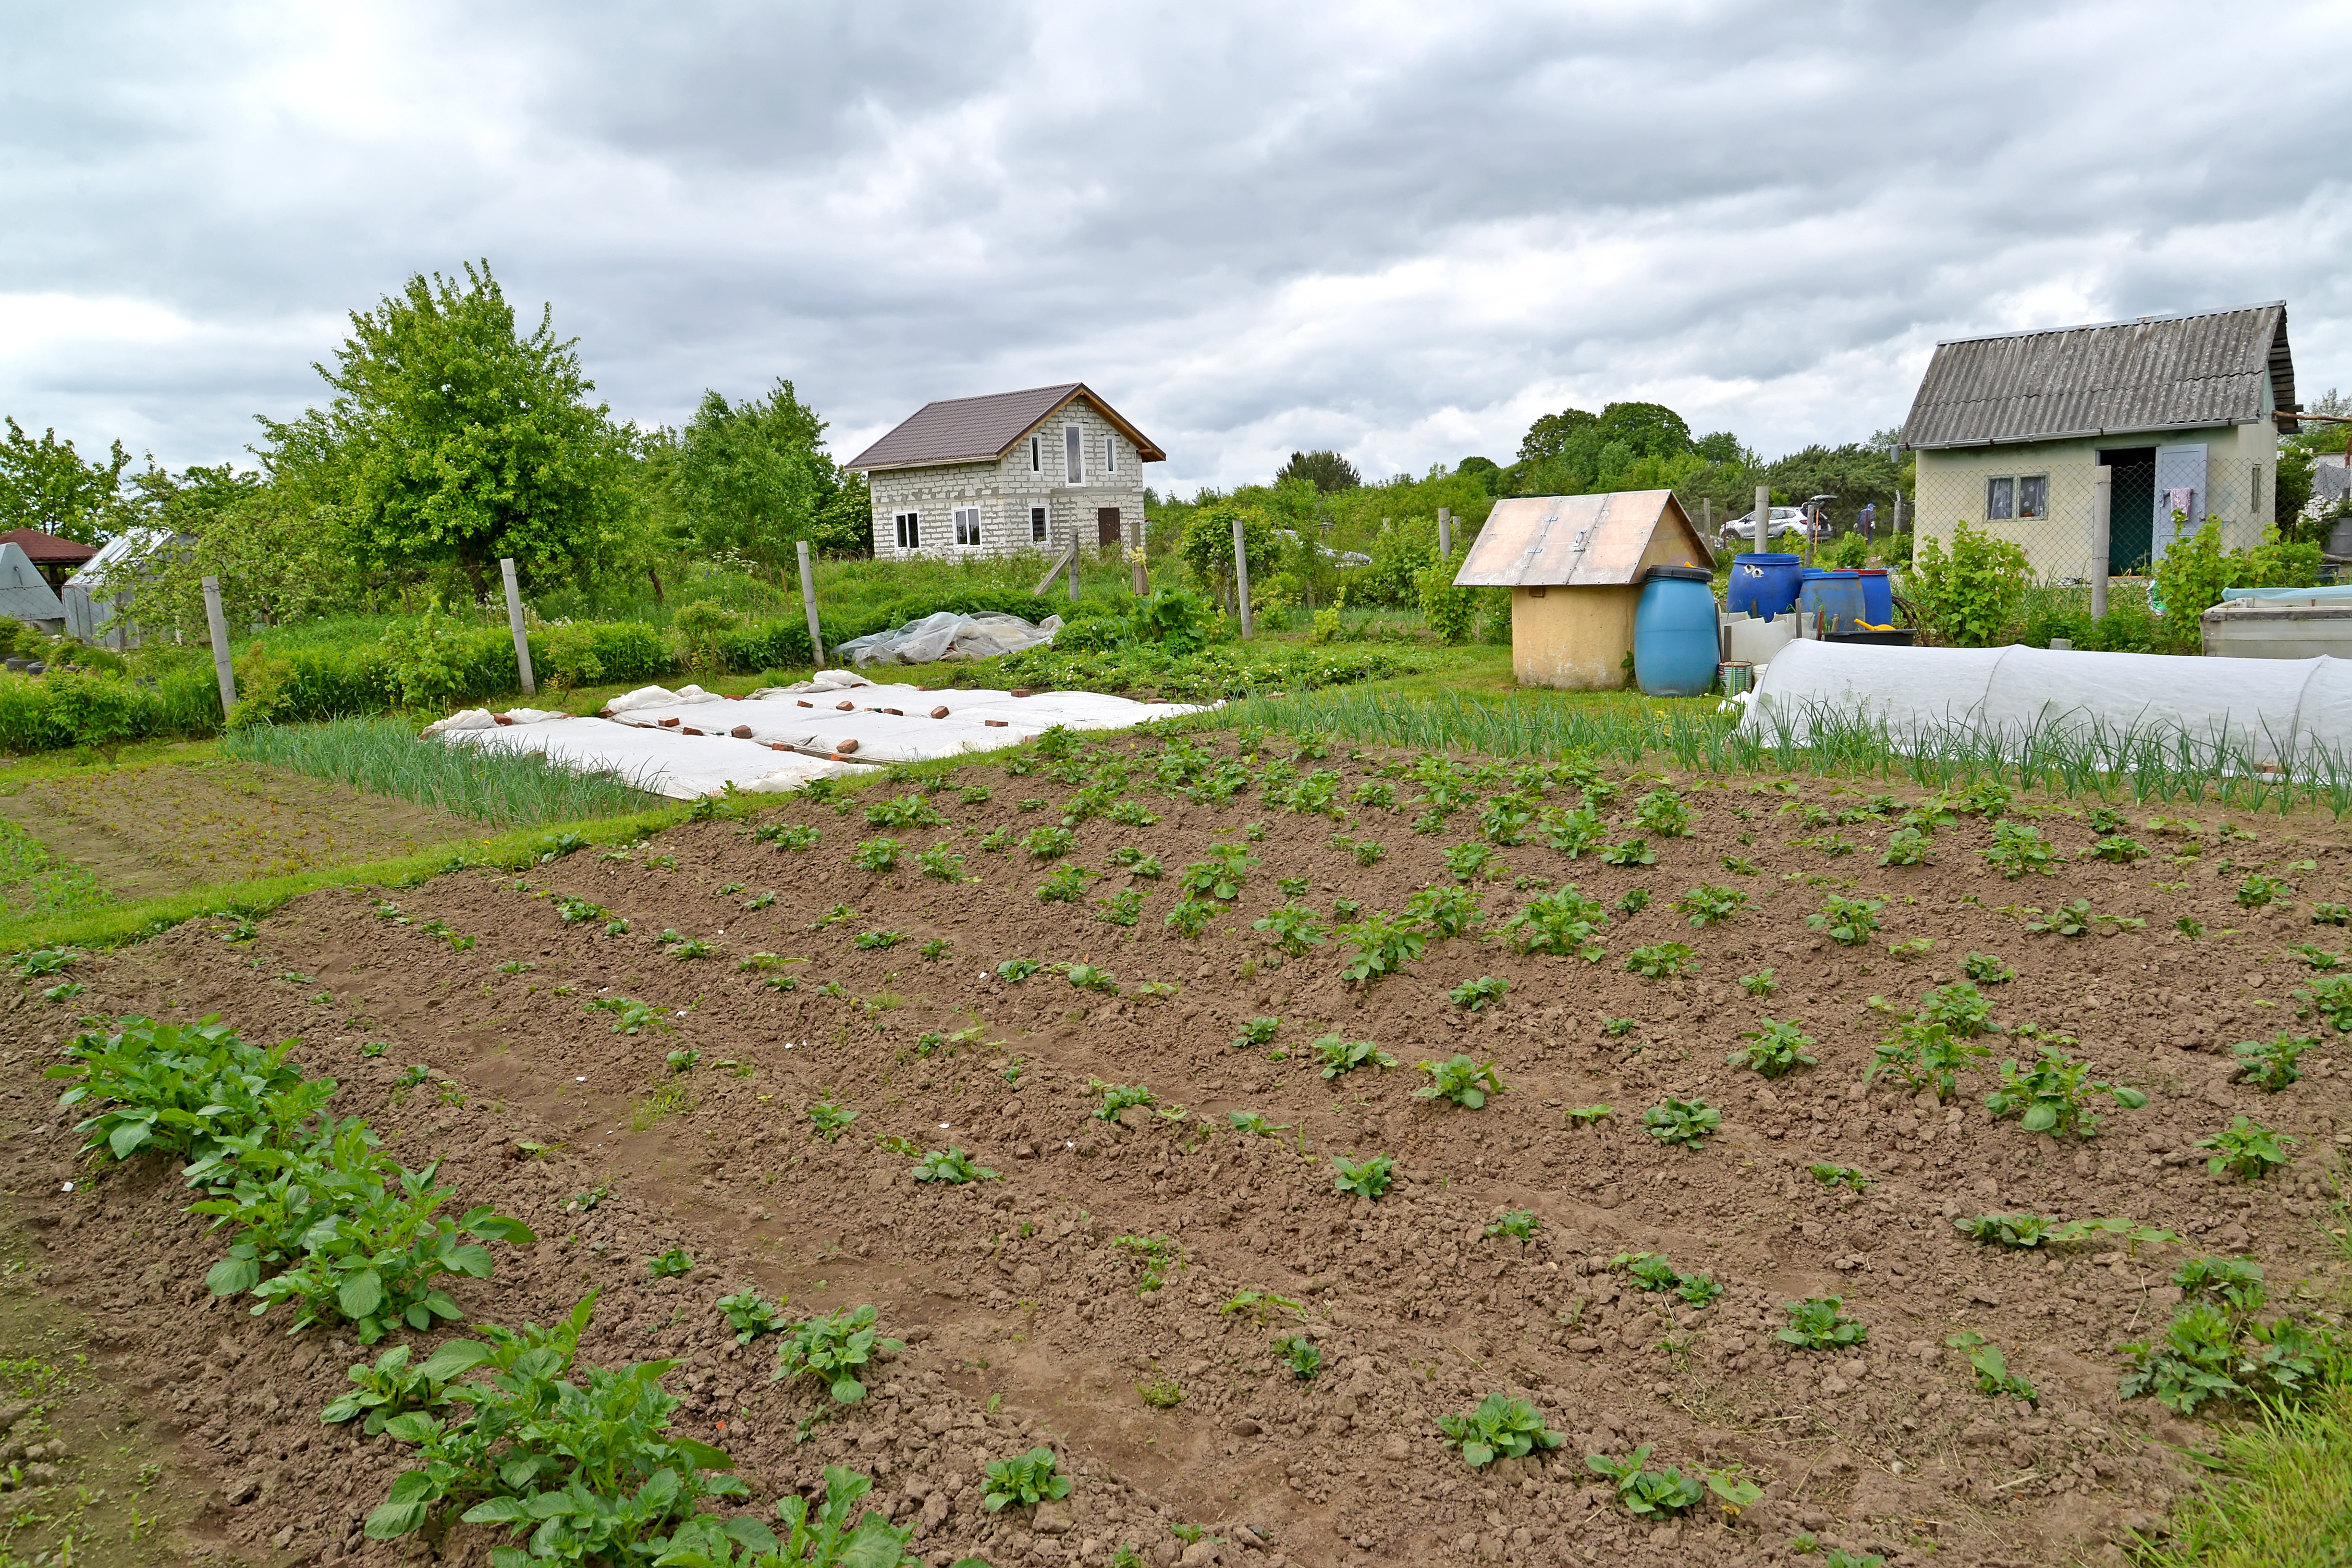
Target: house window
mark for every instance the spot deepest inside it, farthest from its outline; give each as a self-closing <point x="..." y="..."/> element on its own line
<point x="910" y="531"/>
<point x="2001" y="499"/>
<point x="1037" y="454"/>
<point x="1074" y="454"/>
<point x="967" y="524"/>
<point x="1037" y="525"/>
<point x="2034" y="496"/>
<point x="1110" y="453"/>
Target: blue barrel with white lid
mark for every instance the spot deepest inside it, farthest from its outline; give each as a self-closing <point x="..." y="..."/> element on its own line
<point x="1763" y="584"/>
<point x="1675" y="632"/>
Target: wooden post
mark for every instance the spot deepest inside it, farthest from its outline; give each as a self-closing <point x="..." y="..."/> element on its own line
<point x="514" y="623"/>
<point x="1066" y="558"/>
<point x="1135" y="561"/>
<point x="1072" y="579"/>
<point x="1706" y="515"/>
<point x="1897" y="527"/>
<point x="808" y="603"/>
<point x="2103" y="490"/>
<point x="1445" y="532"/>
<point x="1241" y="578"/>
<point x="1763" y="519"/>
<point x="223" y="671"/>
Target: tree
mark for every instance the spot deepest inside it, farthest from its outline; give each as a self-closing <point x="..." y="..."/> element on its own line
<point x="45" y="484"/>
<point x="753" y="478"/>
<point x="1722" y="446"/>
<point x="1550" y="437"/>
<point x="1326" y="469"/>
<point x="454" y="440"/>
<point x="1648" y="429"/>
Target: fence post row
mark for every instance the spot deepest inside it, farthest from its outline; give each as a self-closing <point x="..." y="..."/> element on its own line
<point x="2103" y="490"/>
<point x="1240" y="576"/>
<point x="223" y="671"/>
<point x="514" y="623"/>
<point x="808" y="603"/>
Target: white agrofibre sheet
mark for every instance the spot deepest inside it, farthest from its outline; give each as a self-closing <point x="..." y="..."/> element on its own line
<point x="2263" y="711"/>
<point x="948" y="635"/>
<point x="655" y="760"/>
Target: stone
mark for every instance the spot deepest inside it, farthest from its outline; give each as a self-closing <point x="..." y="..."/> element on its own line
<point x="1053" y="1519"/>
<point x="1199" y="1553"/>
<point x="243" y="1489"/>
<point x="1245" y="1427"/>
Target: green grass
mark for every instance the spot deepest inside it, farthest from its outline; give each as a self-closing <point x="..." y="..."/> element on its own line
<point x="32" y="883"/>
<point x="2281" y="1492"/>
<point x="384" y="755"/>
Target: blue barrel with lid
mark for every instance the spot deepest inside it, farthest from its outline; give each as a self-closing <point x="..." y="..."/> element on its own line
<point x="1877" y="596"/>
<point x="1674" y="635"/>
<point x="1764" y="585"/>
<point x="1834" y="597"/>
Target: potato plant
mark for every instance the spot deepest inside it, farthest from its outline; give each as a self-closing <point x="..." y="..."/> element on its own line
<point x="1501" y="1428"/>
<point x="1295" y="929"/>
<point x="750" y="1314"/>
<point x="1847" y="921"/>
<point x="834" y="1348"/>
<point x="1818" y="1323"/>
<point x="1462" y="1079"/>
<point x="2270" y="1064"/>
<point x="2053" y="1094"/>
<point x="952" y="1167"/>
<point x="1708" y="904"/>
<point x="2247" y="1150"/>
<point x="1382" y="943"/>
<point x="1023" y="1482"/>
<point x="1366" y="1178"/>
<point x="1684" y="1122"/>
<point x="1662" y="960"/>
<point x="1340" y="1056"/>
<point x="1774" y="1048"/>
<point x="1562" y="921"/>
<point x="1991" y="1369"/>
<point x="1475" y="996"/>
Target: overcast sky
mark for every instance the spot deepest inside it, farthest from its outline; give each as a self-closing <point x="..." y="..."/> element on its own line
<point x="1402" y="231"/>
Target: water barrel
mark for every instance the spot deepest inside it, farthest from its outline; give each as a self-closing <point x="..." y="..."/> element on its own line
<point x="1835" y="597"/>
<point x="1763" y="586"/>
<point x="1877" y="596"/>
<point x="1675" y="646"/>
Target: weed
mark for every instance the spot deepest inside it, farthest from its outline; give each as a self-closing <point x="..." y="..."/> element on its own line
<point x="1662" y="960"/>
<point x="1684" y="1122"/>
<point x="1586" y="1115"/>
<point x="1500" y="1428"/>
<point x="952" y="1166"/>
<point x="1161" y="1392"/>
<point x="1993" y="1376"/>
<point x="2247" y="1150"/>
<point x="1739" y="865"/>
<point x="832" y="1347"/>
<point x="2052" y="1095"/>
<point x="1774" y="1048"/>
<point x="2271" y="1064"/>
<point x="1477" y="995"/>
<point x="1461" y="1080"/>
<point x="1367" y="1178"/>
<point x="1816" y="1323"/>
<point x="1840" y="1176"/>
<point x="671" y="1264"/>
<point x="1847" y="921"/>
<point x="1759" y="983"/>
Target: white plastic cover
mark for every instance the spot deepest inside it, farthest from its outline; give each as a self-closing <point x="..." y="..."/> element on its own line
<point x="658" y="761"/>
<point x="949" y="636"/>
<point x="2258" y="711"/>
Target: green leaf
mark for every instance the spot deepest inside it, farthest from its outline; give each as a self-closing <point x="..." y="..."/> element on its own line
<point x="875" y="1543"/>
<point x="128" y="1138"/>
<point x="745" y="1531"/>
<point x="2130" y="1098"/>
<point x="395" y="1519"/>
<point x="360" y="1294"/>
<point x="456" y="1357"/>
<point x="2041" y="1118"/>
<point x="702" y="1455"/>
<point x="847" y="1389"/>
<point x="498" y="1511"/>
<point x="232" y="1276"/>
<point x="1478" y="1454"/>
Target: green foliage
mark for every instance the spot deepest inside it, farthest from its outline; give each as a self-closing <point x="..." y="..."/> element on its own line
<point x="952" y="1166"/>
<point x="2220" y="1353"/>
<point x="2018" y="848"/>
<point x="830" y="1119"/>
<point x="2329" y="997"/>
<point x="1160" y="1254"/>
<point x="876" y="941"/>
<point x="1013" y="971"/>
<point x="1339" y="1056"/>
<point x="1501" y="1428"/>
<point x="1775" y="1048"/>
<point x="2052" y="1095"/>
<point x="1840" y="1176"/>
<point x="1295" y="929"/>
<point x="2247" y="1150"/>
<point x="833" y="1348"/>
<point x="1708" y="904"/>
<point x="878" y="855"/>
<point x="1662" y="960"/>
<point x="631" y="1016"/>
<point x="1761" y="983"/>
<point x="1067" y="885"/>
<point x="1663" y="1494"/>
<point x="1684" y="1122"/>
<point x="2119" y="850"/>
<point x="1382" y="943"/>
<point x="941" y="864"/>
<point x="1993" y="1376"/>
<point x="1562" y="921"/>
<point x="1462" y="1079"/>
<point x="1986" y="969"/>
<point x="2270" y="1064"/>
<point x="192" y="1091"/>
<point x="1847" y="921"/>
<point x="1256" y="1032"/>
<point x="1519" y="1224"/>
<point x="1472" y="862"/>
<point x="1367" y="1178"/>
<point x="1907" y="847"/>
<point x="671" y="1265"/>
<point x="1118" y="1096"/>
<point x="1817" y="1323"/>
<point x="1049" y="842"/>
<point x="1633" y="852"/>
<point x="1023" y="1482"/>
<point x="750" y="1314"/>
<point x="1586" y="1115"/>
<point x="1663" y="813"/>
<point x="1475" y="996"/>
<point x="1190" y="917"/>
<point x="1301" y="1354"/>
<point x="1973" y="596"/>
<point x="1446" y="909"/>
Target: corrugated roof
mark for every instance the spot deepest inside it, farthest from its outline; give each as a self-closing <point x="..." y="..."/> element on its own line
<point x="2158" y="373"/>
<point x="1575" y="541"/>
<point x="48" y="548"/>
<point x="25" y="593"/>
<point x="983" y="429"/>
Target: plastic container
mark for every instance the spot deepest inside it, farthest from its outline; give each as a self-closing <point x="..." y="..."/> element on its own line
<point x="1894" y="637"/>
<point x="1755" y="642"/>
<point x="1736" y="677"/>
<point x="1673" y="632"/>
<point x="1763" y="584"/>
<point x="1877" y="596"/>
<point x="1834" y="597"/>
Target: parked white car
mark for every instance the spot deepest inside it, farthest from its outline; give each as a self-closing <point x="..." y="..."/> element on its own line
<point x="1786" y="520"/>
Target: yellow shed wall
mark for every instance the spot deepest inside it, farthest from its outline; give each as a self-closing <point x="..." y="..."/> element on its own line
<point x="1575" y="638"/>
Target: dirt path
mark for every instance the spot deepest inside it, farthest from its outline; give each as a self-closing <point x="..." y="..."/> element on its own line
<point x="1021" y="1298"/>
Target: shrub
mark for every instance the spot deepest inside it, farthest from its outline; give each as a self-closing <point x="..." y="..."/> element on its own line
<point x="1972" y="595"/>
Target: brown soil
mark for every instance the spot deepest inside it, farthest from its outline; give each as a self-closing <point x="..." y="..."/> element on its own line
<point x="154" y="830"/>
<point x="1024" y="1318"/>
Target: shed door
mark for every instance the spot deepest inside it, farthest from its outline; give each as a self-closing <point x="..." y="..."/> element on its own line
<point x="1107" y="525"/>
<point x="2178" y="469"/>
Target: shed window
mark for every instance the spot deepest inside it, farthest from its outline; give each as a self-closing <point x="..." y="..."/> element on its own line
<point x="910" y="531"/>
<point x="1037" y="525"/>
<point x="1074" y="454"/>
<point x="2001" y="499"/>
<point x="1037" y="454"/>
<point x="2034" y="496"/>
<point x="967" y="524"/>
<point x="1110" y="453"/>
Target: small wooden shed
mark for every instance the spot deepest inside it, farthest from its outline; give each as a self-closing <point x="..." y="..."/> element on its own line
<point x="1574" y="565"/>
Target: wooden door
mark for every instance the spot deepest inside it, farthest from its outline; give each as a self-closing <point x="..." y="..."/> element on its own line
<point x="1107" y="525"/>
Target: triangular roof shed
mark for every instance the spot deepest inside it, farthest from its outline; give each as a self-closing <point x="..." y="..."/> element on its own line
<point x="1581" y="541"/>
<point x="25" y="593"/>
<point x="2155" y="374"/>
<point x="48" y="549"/>
<point x="983" y="429"/>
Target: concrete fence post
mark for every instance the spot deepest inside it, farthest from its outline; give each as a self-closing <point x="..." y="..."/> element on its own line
<point x="808" y="604"/>
<point x="1763" y="519"/>
<point x="1446" y="532"/>
<point x="223" y="671"/>
<point x="1241" y="578"/>
<point x="514" y="623"/>
<point x="2103" y="490"/>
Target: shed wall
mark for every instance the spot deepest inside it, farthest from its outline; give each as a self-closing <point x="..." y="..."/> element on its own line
<point x="1575" y="638"/>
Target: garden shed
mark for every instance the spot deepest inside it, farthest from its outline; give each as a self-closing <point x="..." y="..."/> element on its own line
<point x="1574" y="567"/>
<point x="25" y="594"/>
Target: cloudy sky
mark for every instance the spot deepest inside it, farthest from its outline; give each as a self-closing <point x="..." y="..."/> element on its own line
<point x="1399" y="230"/>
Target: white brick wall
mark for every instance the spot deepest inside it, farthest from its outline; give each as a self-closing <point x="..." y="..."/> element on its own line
<point x="1004" y="492"/>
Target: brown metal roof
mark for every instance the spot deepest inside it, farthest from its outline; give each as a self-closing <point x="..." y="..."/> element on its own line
<point x="48" y="549"/>
<point x="1576" y="541"/>
<point x="983" y="429"/>
<point x="2158" y="373"/>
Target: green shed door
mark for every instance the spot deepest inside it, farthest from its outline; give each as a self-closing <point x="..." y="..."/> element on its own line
<point x="2131" y="508"/>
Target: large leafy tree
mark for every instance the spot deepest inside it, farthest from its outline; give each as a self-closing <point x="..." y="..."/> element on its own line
<point x="752" y="479"/>
<point x="454" y="439"/>
<point x="46" y="484"/>
<point x="1649" y="429"/>
<point x="1552" y="436"/>
<point x="1327" y="471"/>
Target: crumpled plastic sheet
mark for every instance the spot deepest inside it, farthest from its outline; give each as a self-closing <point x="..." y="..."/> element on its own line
<point x="948" y="635"/>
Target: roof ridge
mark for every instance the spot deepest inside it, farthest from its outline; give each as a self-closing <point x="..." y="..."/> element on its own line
<point x="2127" y="321"/>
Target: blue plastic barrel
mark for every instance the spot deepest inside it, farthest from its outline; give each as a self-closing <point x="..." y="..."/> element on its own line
<point x="1834" y="597"/>
<point x="1674" y="644"/>
<point x="1877" y="596"/>
<point x="1764" y="585"/>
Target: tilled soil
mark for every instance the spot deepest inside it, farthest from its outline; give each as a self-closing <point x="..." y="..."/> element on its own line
<point x="1022" y="1302"/>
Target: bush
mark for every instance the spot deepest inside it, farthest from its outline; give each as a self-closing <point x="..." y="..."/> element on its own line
<point x="1973" y="596"/>
<point x="2196" y="569"/>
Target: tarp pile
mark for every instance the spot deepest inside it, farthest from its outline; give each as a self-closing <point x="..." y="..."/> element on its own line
<point x="948" y="635"/>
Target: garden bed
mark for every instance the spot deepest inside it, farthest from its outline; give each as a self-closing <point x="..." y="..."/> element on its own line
<point x="1026" y="1301"/>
